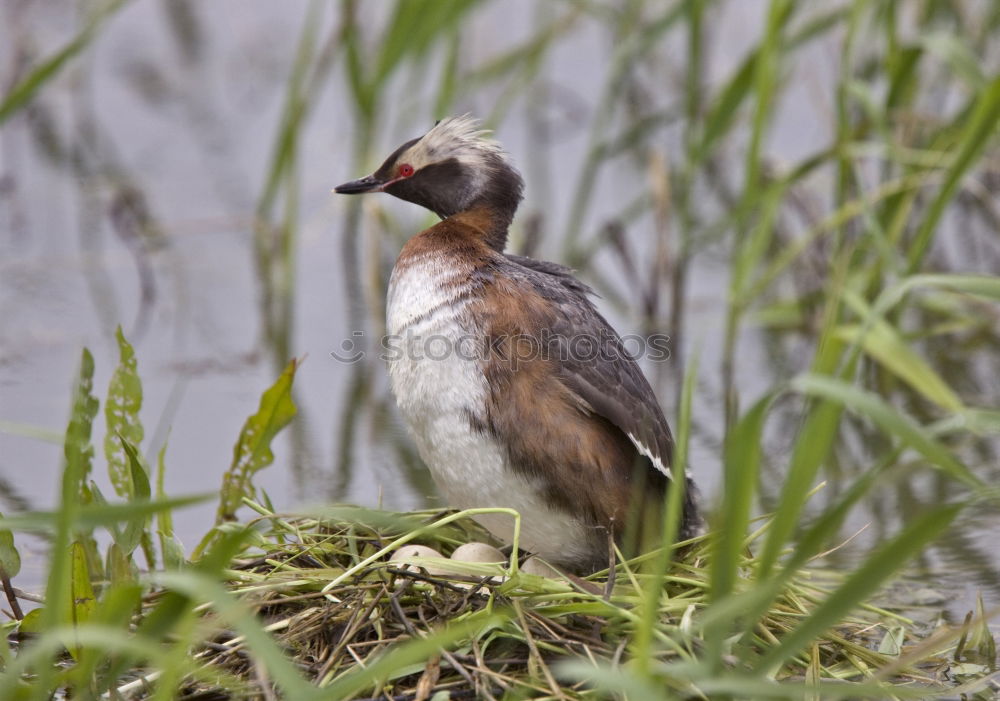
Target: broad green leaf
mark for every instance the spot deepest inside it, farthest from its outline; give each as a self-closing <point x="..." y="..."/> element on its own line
<point x="165" y="521"/>
<point x="82" y="591"/>
<point x="171" y="549"/>
<point x="253" y="448"/>
<point x="97" y="499"/>
<point x="743" y="686"/>
<point x="78" y="450"/>
<point x="119" y="565"/>
<point x="977" y="644"/>
<point x="63" y="553"/>
<point x="121" y="414"/>
<point x="10" y="560"/>
<point x="114" y="612"/>
<point x="622" y="681"/>
<point x="82" y="588"/>
<point x="614" y="682"/>
<point x="32" y="622"/>
<point x="139" y="488"/>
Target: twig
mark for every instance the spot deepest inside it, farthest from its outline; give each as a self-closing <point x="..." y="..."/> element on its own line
<point x="260" y="675"/>
<point x="28" y="596"/>
<point x="556" y="689"/>
<point x="15" y="607"/>
<point x="405" y="620"/>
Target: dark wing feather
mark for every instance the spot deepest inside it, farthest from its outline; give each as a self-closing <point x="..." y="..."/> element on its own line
<point x="594" y="363"/>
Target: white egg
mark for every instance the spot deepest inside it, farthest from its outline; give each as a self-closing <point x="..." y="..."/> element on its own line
<point x="478" y="552"/>
<point x="533" y="565"/>
<point x="407" y="553"/>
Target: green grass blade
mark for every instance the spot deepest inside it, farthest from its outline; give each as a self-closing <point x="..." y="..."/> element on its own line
<point x="740" y="469"/>
<point x="284" y="149"/>
<point x="96" y="515"/>
<point x="886" y="561"/>
<point x="22" y="93"/>
<point x="139" y="486"/>
<point x="742" y="466"/>
<point x="644" y="634"/>
<point x="815" y="438"/>
<point x="414" y="27"/>
<point x="889" y="419"/>
<point x="78" y="453"/>
<point x="812" y="446"/>
<point x="985" y="286"/>
<point x="975" y="135"/>
<point x="614" y="682"/>
<point x="882" y="342"/>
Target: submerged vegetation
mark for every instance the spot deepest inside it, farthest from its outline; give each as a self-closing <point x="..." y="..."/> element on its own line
<point x="861" y="275"/>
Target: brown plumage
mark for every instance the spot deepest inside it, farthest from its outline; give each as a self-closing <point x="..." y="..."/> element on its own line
<point x="548" y="413"/>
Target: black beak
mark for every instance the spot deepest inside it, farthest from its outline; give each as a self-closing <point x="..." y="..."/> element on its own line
<point x="369" y="183"/>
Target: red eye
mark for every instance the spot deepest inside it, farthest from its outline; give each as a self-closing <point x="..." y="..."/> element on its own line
<point x="405" y="170"/>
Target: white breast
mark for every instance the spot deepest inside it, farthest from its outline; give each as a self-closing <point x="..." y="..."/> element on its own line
<point x="437" y="378"/>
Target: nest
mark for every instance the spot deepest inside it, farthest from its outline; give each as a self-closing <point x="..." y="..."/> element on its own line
<point x="335" y="602"/>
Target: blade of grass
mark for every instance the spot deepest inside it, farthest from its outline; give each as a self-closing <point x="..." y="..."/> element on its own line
<point x="976" y="134"/>
<point x="22" y="93"/>
<point x="884" y="562"/>
<point x="94" y="515"/>
<point x="984" y="286"/>
<point x="883" y="343"/>
<point x="741" y="469"/>
<point x="642" y="644"/>
<point x="814" y="439"/>
<point x="78" y="453"/>
<point x="889" y="419"/>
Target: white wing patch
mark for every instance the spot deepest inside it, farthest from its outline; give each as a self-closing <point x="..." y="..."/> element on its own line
<point x="646" y="452"/>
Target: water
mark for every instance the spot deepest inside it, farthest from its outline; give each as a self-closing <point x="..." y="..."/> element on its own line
<point x="174" y="111"/>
